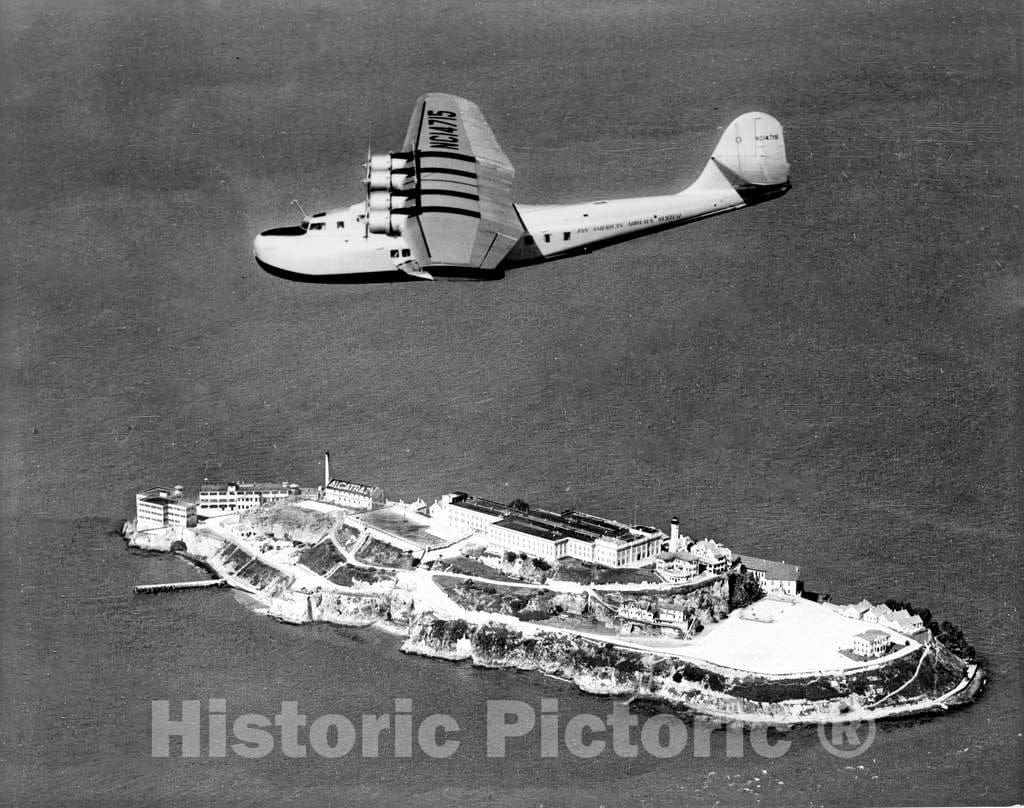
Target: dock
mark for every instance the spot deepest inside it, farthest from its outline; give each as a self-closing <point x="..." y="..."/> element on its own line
<point x="147" y="589"/>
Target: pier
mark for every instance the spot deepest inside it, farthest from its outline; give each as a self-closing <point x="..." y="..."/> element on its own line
<point x="147" y="589"/>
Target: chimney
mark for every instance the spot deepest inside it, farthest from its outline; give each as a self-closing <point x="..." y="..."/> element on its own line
<point x="327" y="469"/>
<point x="673" y="536"/>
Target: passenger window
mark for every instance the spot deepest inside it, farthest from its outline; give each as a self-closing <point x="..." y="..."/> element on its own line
<point x="394" y="253"/>
<point x="547" y="238"/>
<point x="341" y="224"/>
<point x="406" y="253"/>
<point x="565" y="237"/>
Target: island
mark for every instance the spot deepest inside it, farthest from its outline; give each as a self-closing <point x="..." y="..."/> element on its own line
<point x="617" y="609"/>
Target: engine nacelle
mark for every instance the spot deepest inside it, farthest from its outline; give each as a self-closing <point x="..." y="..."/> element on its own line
<point x="379" y="162"/>
<point x="386" y="212"/>
<point x="380" y="180"/>
<point x="390" y="187"/>
<point x="397" y="161"/>
<point x="383" y="221"/>
<point x="378" y="200"/>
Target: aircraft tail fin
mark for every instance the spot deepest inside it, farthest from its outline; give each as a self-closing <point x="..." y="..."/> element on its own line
<point x="750" y="157"/>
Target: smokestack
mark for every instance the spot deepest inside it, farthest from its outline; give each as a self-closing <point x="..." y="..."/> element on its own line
<point x="327" y="469"/>
<point x="673" y="536"/>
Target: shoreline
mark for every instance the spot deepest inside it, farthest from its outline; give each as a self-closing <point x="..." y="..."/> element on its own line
<point x="407" y="609"/>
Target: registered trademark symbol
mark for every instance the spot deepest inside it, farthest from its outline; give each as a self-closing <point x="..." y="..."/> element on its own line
<point x="847" y="739"/>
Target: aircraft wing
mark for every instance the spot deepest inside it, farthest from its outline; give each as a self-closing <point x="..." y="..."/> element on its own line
<point x="464" y="216"/>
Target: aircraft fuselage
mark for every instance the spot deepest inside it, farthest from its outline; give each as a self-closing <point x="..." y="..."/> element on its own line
<point x="334" y="246"/>
<point x="443" y="207"/>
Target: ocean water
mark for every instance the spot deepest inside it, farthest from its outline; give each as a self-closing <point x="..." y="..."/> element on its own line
<point x="830" y="379"/>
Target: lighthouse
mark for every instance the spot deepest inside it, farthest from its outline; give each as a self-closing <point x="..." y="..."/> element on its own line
<point x="673" y="535"/>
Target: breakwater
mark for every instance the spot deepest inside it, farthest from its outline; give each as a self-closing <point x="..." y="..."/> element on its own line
<point x="149" y="589"/>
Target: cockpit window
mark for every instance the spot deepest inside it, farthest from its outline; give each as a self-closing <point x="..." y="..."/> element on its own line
<point x="316" y="225"/>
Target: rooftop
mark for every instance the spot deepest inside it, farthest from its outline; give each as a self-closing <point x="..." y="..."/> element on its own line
<point x="552" y="525"/>
<point x="775" y="570"/>
<point x="713" y="547"/>
<point x="523" y="524"/>
<point x="162" y="495"/>
<point x="681" y="555"/>
<point x="487" y="506"/>
<point x="256" y="488"/>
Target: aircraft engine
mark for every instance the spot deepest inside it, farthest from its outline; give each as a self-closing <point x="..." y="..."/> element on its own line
<point x="390" y="181"/>
<point x="386" y="212"/>
<point x="390" y="186"/>
<point x="389" y="161"/>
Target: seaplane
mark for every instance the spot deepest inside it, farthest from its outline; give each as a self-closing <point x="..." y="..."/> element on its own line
<point x="442" y="207"/>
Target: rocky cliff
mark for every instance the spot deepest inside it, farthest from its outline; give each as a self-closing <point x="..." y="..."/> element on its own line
<point x="909" y="684"/>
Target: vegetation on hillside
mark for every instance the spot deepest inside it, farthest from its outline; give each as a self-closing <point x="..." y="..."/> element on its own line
<point x="384" y="555"/>
<point x="524" y="602"/>
<point x="347" y="575"/>
<point x="500" y="643"/>
<point x="320" y="558"/>
<point x="469" y="566"/>
<point x="582" y="572"/>
<point x="744" y="589"/>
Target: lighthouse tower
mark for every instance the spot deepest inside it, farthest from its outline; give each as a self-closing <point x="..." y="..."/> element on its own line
<point x="673" y="536"/>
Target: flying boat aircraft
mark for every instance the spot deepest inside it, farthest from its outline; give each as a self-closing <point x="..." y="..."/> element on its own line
<point x="442" y="207"/>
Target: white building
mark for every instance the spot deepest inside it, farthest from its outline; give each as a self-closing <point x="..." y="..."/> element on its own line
<point x="856" y="611"/>
<point x="871" y="643"/>
<point x="901" y="620"/>
<point x="715" y="557"/>
<point x="357" y="496"/>
<point x="163" y="507"/>
<point x="548" y="534"/>
<point x="216" y="499"/>
<point x="908" y="623"/>
<point x="460" y="512"/>
<point x="637" y="613"/>
<point x="672" y="616"/>
<point x="677" y="566"/>
<point x="775" y="577"/>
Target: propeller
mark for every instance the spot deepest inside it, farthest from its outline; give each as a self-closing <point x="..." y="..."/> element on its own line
<point x="366" y="188"/>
